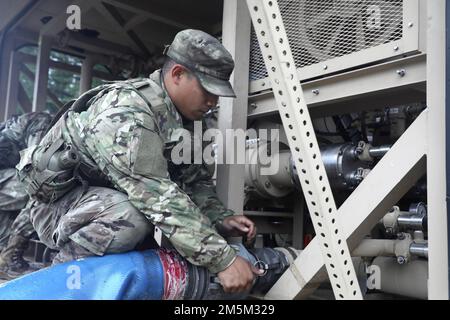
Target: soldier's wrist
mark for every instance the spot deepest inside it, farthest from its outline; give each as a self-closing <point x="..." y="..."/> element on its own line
<point x="223" y="215"/>
<point x="224" y="261"/>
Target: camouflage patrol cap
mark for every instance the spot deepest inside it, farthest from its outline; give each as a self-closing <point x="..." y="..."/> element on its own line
<point x="206" y="57"/>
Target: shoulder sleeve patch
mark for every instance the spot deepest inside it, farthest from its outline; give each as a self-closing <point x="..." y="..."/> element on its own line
<point x="148" y="159"/>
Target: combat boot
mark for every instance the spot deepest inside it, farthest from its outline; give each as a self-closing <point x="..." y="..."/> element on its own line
<point x="12" y="263"/>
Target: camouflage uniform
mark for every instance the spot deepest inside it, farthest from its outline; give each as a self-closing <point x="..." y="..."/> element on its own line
<point x="127" y="137"/>
<point x="13" y="198"/>
<point x="17" y="133"/>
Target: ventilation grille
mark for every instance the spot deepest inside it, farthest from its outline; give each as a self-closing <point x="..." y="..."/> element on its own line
<point x="319" y="30"/>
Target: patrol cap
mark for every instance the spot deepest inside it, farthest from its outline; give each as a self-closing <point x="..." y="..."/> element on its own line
<point x="206" y="57"/>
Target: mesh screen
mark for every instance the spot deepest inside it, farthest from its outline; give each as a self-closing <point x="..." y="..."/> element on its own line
<point x="319" y="30"/>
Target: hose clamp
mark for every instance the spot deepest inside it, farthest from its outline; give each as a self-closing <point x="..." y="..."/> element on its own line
<point x="261" y="265"/>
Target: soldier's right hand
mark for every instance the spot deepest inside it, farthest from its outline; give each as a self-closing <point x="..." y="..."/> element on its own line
<point x="239" y="276"/>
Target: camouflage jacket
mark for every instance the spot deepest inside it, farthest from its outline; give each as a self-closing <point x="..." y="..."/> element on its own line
<point x="127" y="138"/>
<point x="20" y="132"/>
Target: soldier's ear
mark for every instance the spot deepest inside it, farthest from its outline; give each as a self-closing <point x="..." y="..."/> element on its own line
<point x="177" y="73"/>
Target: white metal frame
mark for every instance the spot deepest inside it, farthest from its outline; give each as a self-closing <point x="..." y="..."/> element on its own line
<point x="393" y="176"/>
<point x="438" y="286"/>
<point x="233" y="112"/>
<point x="294" y="113"/>
<point x="334" y="94"/>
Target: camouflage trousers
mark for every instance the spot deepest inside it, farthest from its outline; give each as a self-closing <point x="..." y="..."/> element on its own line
<point x="92" y="222"/>
<point x="13" y="199"/>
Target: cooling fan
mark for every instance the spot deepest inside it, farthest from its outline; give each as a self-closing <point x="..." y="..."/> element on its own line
<point x="319" y="30"/>
<point x="333" y="28"/>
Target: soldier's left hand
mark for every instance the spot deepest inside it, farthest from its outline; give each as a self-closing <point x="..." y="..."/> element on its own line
<point x="235" y="226"/>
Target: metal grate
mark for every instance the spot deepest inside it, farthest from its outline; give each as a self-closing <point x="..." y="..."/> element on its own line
<point x="319" y="30"/>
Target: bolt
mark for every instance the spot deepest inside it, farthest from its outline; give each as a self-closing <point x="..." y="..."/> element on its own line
<point x="325" y="67"/>
<point x="401" y="236"/>
<point x="268" y="184"/>
<point x="253" y="105"/>
<point x="410" y="24"/>
<point x="401" y="260"/>
<point x="396" y="48"/>
<point x="401" y="72"/>
<point x="315" y="91"/>
<point x="263" y="84"/>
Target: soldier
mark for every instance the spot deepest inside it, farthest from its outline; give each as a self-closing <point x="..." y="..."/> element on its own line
<point x="16" y="229"/>
<point x="124" y="181"/>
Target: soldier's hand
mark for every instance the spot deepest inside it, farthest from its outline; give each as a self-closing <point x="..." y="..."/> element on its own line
<point x="235" y="226"/>
<point x="239" y="276"/>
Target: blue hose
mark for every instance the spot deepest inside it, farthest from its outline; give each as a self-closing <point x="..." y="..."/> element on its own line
<point x="127" y="276"/>
<point x="138" y="275"/>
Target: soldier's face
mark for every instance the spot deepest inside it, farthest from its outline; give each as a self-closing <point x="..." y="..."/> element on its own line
<point x="189" y="96"/>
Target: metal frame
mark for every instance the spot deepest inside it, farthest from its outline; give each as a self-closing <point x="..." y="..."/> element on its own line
<point x="47" y="41"/>
<point x="408" y="44"/>
<point x="12" y="94"/>
<point x="30" y="75"/>
<point x="233" y="112"/>
<point x="87" y="70"/>
<point x="7" y="46"/>
<point x="147" y="15"/>
<point x="294" y="113"/>
<point x="447" y="136"/>
<point x="438" y="286"/>
<point x="114" y="17"/>
<point x="41" y="75"/>
<point x="357" y="90"/>
<point x="7" y="52"/>
<point x="398" y="170"/>
<point x="27" y="58"/>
